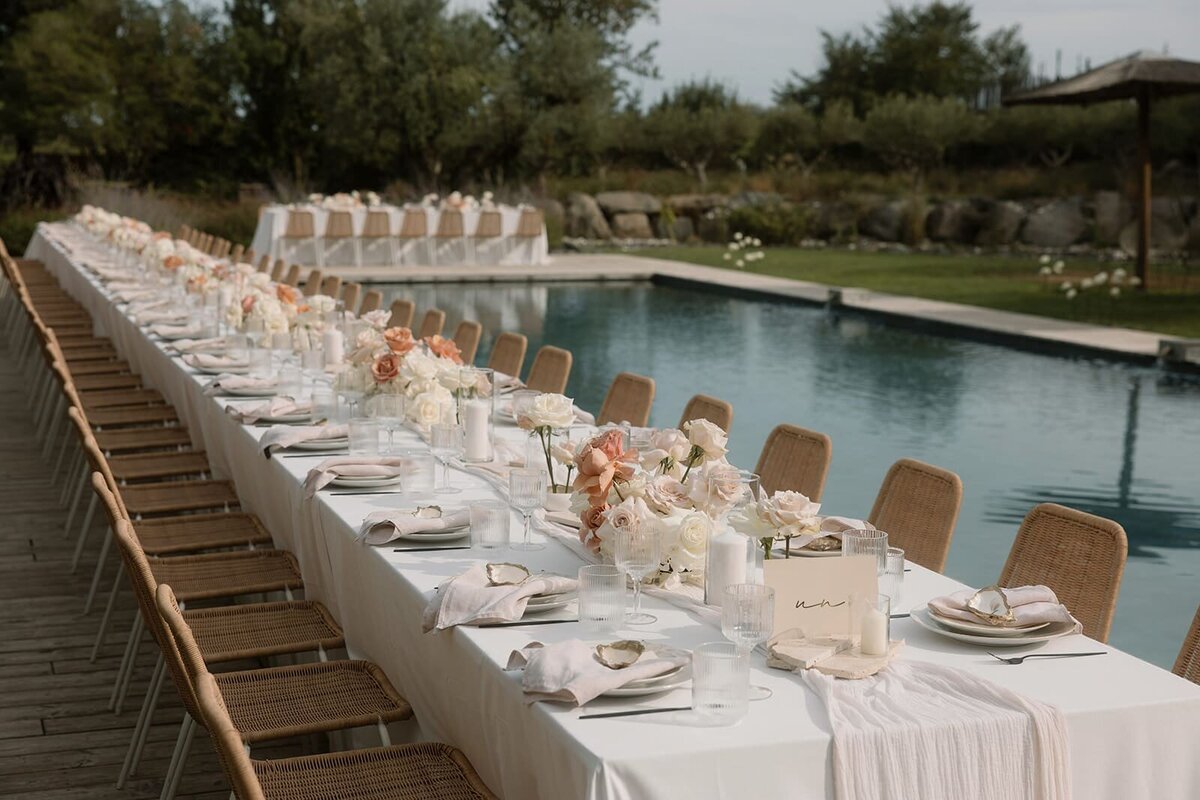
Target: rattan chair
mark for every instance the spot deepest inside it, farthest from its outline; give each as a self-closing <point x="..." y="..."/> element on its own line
<point x="794" y="459"/>
<point x="550" y="371"/>
<point x="402" y="314"/>
<point x="264" y="265"/>
<point x="467" y="336"/>
<point x="629" y="399"/>
<point x="339" y="230"/>
<point x="237" y="254"/>
<point x="432" y="323"/>
<point x="1187" y="665"/>
<point x="450" y="233"/>
<point x="918" y="505"/>
<point x="276" y="702"/>
<point x="301" y="228"/>
<point x="701" y="406"/>
<point x="425" y="771"/>
<point x="377" y="228"/>
<point x="331" y="285"/>
<point x="1078" y="555"/>
<point x="293" y="274"/>
<point x="312" y="283"/>
<point x="414" y="230"/>
<point x="371" y="301"/>
<point x="508" y="354"/>
<point x="279" y="270"/>
<point x="350" y="295"/>
<point x="488" y="233"/>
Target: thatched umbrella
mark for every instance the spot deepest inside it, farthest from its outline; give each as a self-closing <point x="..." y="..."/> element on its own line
<point x="1142" y="76"/>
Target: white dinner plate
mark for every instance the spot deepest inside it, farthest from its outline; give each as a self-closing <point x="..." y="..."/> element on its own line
<point x="250" y="391"/>
<point x="804" y="553"/>
<point x="182" y="333"/>
<point x="447" y="535"/>
<point x="367" y="482"/>
<point x="539" y="603"/>
<point x="922" y="617"/>
<point x="640" y="689"/>
<point x="982" y="629"/>
<point x="321" y="445"/>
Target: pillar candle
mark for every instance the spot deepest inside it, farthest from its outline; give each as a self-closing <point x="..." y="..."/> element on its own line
<point x="874" y="633"/>
<point x="331" y="342"/>
<point x="726" y="564"/>
<point x="477" y="445"/>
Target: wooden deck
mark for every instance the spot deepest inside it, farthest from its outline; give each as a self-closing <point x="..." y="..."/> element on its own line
<point x="58" y="740"/>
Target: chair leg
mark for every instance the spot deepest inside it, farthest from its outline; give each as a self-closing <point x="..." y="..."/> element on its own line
<point x="131" y="646"/>
<point x="133" y="655"/>
<point x="141" y="731"/>
<point x="58" y="464"/>
<point x="75" y="502"/>
<point x="96" y="575"/>
<point x="113" y="594"/>
<point x="83" y="533"/>
<point x="171" y="786"/>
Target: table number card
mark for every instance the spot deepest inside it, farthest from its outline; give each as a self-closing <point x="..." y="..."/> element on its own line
<point x="814" y="593"/>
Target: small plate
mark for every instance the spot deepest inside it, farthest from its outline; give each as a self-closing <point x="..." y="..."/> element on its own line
<point x="267" y="391"/>
<point x="667" y="676"/>
<point x="551" y="602"/>
<point x="367" y="482"/>
<point x="805" y="553"/>
<point x="981" y="629"/>
<point x="321" y="445"/>
<point x="448" y="535"/>
<point x="922" y="617"/>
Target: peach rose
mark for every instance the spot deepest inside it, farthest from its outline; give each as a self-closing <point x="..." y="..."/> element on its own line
<point x="599" y="462"/>
<point x="593" y="516"/>
<point x="386" y="368"/>
<point x="444" y="348"/>
<point x="172" y="262"/>
<point x="248" y="303"/>
<point x="287" y="294"/>
<point x="399" y="340"/>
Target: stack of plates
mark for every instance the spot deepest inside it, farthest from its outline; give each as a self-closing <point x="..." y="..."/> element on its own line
<point x="288" y="419"/>
<point x="434" y="537"/>
<point x="372" y="482"/>
<point x="671" y="679"/>
<point x="252" y="391"/>
<point x="990" y="635"/>
<point x="548" y="602"/>
<point x="321" y="445"/>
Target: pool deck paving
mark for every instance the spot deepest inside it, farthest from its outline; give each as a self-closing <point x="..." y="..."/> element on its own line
<point x="1021" y="330"/>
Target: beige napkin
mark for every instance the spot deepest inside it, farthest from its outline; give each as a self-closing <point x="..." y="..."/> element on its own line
<point x="354" y="467"/>
<point x="166" y="331"/>
<point x="381" y="527"/>
<point x="570" y="672"/>
<point x="469" y="598"/>
<point x="507" y="383"/>
<point x="213" y="361"/>
<point x="283" y="436"/>
<point x="147" y="317"/>
<point x="275" y="407"/>
<point x="215" y="344"/>
<point x="1031" y="605"/>
<point x="143" y="298"/>
<point x="833" y="528"/>
<point x="225" y="382"/>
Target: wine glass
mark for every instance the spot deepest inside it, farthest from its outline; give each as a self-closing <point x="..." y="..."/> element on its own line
<point x="446" y="441"/>
<point x="637" y="555"/>
<point x="527" y="493"/>
<point x="389" y="410"/>
<point x="255" y="330"/>
<point x="747" y="620"/>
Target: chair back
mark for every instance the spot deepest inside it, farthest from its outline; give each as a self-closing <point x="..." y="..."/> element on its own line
<point x="339" y="225"/>
<point x="264" y="265"/>
<point x="402" y="314"/>
<point x="91" y="451"/>
<point x="414" y="224"/>
<point x="350" y="293"/>
<point x="467" y="336"/>
<point x="1187" y="665"/>
<point x="701" y="406"/>
<point x="794" y="459"/>
<point x="629" y="399"/>
<point x="450" y="224"/>
<point x="185" y="231"/>
<point x="231" y="748"/>
<point x="378" y="225"/>
<point x="508" y="353"/>
<point x="530" y="224"/>
<point x="489" y="225"/>
<point x="918" y="505"/>
<point x="237" y="252"/>
<point x="550" y="370"/>
<point x="331" y="285"/>
<point x="312" y="284"/>
<point x="1078" y="555"/>
<point x="249" y="255"/>
<point x="371" y="301"/>
<point x="432" y="323"/>
<point x="299" y="225"/>
<point x="180" y="651"/>
<point x="293" y="273"/>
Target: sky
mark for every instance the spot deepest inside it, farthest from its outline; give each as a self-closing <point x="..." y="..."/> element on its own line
<point x="753" y="44"/>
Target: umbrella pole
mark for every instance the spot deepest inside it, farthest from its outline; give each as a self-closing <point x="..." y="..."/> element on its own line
<point x="1143" y="244"/>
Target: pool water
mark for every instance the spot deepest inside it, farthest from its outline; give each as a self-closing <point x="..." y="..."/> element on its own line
<point x="1019" y="428"/>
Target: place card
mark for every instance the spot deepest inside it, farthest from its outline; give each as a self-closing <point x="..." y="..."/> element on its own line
<point x="813" y="594"/>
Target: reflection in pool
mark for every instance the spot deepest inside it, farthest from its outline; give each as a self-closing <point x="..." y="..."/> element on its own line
<point x="1020" y="428"/>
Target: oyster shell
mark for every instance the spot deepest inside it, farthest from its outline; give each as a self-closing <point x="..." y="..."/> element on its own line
<point x="428" y="512"/>
<point x="619" y="655"/>
<point x="504" y="574"/>
<point x="823" y="543"/>
<point x="991" y="606"/>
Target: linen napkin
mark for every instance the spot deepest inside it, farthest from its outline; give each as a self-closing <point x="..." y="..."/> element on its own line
<point x="213" y="361"/>
<point x="165" y="331"/>
<point x="381" y="527"/>
<point x="832" y="528"/>
<point x="215" y="344"/>
<point x="570" y="672"/>
<point x="275" y="407"/>
<point x="354" y="467"/>
<point x="506" y="383"/>
<point x="283" y="436"/>
<point x="469" y="598"/>
<point x="148" y="317"/>
<point x="924" y="730"/>
<point x="1031" y="605"/>
<point x="225" y="381"/>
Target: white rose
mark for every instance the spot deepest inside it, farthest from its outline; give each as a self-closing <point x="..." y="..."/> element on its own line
<point x="425" y="409"/>
<point x="260" y="280"/>
<point x="551" y="411"/>
<point x="669" y="445"/>
<point x="710" y="438"/>
<point x="718" y="488"/>
<point x="664" y="494"/>
<point x="693" y="532"/>
<point x="748" y="521"/>
<point x="377" y="319"/>
<point x="630" y="514"/>
<point x="453" y="376"/>
<point x="418" y="366"/>
<point x="322" y="304"/>
<point x="792" y="513"/>
<point x="563" y="452"/>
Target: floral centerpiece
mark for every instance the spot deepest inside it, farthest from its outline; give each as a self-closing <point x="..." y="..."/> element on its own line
<point x="546" y="416"/>
<point x="783" y="516"/>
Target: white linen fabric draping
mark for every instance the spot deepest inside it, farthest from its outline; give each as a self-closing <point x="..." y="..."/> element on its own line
<point x="506" y="249"/>
<point x="1133" y="728"/>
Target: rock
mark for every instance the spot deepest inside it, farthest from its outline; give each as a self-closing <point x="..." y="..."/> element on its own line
<point x="1113" y="212"/>
<point x="999" y="224"/>
<point x="551" y="208"/>
<point x="1058" y="223"/>
<point x="1168" y="226"/>
<point x="950" y="222"/>
<point x="695" y="205"/>
<point x="836" y="220"/>
<point x="743" y="199"/>
<point x="584" y="219"/>
<point x="680" y="229"/>
<point x="628" y="203"/>
<point x="631" y="225"/>
<point x="884" y="222"/>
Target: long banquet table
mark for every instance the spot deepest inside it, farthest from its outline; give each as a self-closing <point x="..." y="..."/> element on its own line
<point x="1134" y="728"/>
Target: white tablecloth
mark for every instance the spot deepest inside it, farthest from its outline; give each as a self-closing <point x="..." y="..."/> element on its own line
<point x="1134" y="728"/>
<point x="504" y="250"/>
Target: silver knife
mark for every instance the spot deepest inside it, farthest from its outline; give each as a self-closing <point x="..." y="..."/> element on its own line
<point x="635" y="713"/>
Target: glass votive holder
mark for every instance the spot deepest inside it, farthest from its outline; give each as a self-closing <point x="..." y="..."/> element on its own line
<point x="237" y="347"/>
<point x="291" y="381"/>
<point x="364" y="437"/>
<point x="867" y="543"/>
<point x="260" y="362"/>
<point x="874" y="624"/>
<point x="891" y="582"/>
<point x="522" y="399"/>
<point x="601" y="598"/>
<point x="720" y="683"/>
<point x="281" y="342"/>
<point x="489" y="524"/>
<point x="324" y="404"/>
<point x="313" y="362"/>
<point x="421" y="467"/>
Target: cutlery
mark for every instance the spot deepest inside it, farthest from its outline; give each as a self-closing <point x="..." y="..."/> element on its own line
<point x="317" y="454"/>
<point x="429" y="549"/>
<point x="521" y="623"/>
<point x="635" y="713"/>
<point x="1021" y="659"/>
<point x="393" y="491"/>
<point x="901" y="616"/>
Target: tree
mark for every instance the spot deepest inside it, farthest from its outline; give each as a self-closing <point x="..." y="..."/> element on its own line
<point x="1008" y="60"/>
<point x="790" y="135"/>
<point x="698" y="122"/>
<point x="846" y="76"/>
<point x="913" y="133"/>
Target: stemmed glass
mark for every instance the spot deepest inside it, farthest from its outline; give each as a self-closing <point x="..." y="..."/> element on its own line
<point x="747" y="620"/>
<point x="527" y="493"/>
<point x="389" y="410"/>
<point x="446" y="441"/>
<point x="255" y="330"/>
<point x="637" y="555"/>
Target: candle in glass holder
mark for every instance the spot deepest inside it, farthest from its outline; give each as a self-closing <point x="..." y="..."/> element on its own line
<point x="726" y="564"/>
<point x="475" y="418"/>
<point x="874" y="641"/>
<point x="332" y="344"/>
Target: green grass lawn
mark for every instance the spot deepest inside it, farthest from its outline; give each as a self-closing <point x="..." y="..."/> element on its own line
<point x="1009" y="283"/>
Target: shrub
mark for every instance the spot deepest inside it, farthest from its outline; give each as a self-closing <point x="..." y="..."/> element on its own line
<point x="18" y="224"/>
<point x="774" y="223"/>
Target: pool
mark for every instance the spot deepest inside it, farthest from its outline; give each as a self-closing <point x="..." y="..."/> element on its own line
<point x="1019" y="428"/>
